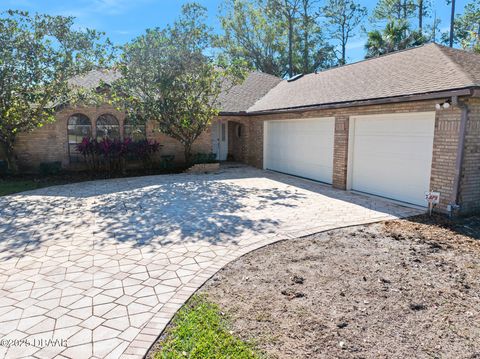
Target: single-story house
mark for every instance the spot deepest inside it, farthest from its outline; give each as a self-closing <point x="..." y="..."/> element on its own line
<point x="395" y="126"/>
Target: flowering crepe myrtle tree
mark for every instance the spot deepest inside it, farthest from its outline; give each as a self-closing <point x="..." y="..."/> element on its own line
<point x="38" y="54"/>
<point x="169" y="76"/>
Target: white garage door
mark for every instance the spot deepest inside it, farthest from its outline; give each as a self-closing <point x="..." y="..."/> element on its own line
<point x="300" y="147"/>
<point x="392" y="155"/>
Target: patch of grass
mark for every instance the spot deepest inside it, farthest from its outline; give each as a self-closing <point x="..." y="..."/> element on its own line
<point x="15" y="186"/>
<point x="200" y="331"/>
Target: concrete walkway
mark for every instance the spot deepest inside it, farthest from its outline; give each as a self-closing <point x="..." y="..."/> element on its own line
<point x="101" y="267"/>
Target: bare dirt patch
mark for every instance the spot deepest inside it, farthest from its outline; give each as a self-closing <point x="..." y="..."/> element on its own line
<point x="408" y="288"/>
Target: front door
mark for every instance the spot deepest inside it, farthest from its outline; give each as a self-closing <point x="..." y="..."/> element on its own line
<point x="220" y="139"/>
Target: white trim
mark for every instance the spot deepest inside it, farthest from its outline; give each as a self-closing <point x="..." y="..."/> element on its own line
<point x="350" y="154"/>
<point x="265" y="141"/>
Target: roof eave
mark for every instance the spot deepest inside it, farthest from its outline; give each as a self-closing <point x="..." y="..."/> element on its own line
<point x="233" y="113"/>
<point x="466" y="91"/>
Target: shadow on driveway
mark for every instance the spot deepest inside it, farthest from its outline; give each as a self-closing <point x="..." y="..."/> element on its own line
<point x="161" y="209"/>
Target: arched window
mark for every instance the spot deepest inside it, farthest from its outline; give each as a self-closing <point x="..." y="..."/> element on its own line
<point x="108" y="127"/>
<point x="78" y="127"/>
<point x="134" y="131"/>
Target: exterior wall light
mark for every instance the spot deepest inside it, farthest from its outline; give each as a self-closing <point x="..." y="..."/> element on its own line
<point x="442" y="106"/>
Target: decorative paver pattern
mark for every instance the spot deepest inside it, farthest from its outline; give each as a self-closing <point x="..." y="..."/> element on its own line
<point x="104" y="265"/>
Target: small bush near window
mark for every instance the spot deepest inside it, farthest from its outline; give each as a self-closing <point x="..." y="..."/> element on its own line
<point x="143" y="150"/>
<point x="50" y="168"/>
<point x="204" y="158"/>
<point x="111" y="155"/>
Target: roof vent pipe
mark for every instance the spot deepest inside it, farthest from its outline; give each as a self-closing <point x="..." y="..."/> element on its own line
<point x="294" y="78"/>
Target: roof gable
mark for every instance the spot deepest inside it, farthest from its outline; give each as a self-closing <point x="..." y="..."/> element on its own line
<point x="241" y="97"/>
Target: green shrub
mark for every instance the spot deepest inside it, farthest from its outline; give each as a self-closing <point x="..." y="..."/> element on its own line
<point x="204" y="158"/>
<point x="50" y="168"/>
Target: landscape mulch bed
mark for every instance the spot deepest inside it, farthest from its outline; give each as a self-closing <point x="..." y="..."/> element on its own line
<point x="400" y="289"/>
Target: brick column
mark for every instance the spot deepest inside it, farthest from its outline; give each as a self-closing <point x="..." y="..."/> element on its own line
<point x="445" y="143"/>
<point x="340" y="152"/>
<point x="470" y="181"/>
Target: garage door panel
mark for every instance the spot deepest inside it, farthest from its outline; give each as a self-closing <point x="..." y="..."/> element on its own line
<point x="392" y="155"/>
<point x="301" y="147"/>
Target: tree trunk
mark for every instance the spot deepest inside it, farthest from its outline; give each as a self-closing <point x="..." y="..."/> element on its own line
<point x="452" y="20"/>
<point x="290" y="46"/>
<point x="10" y="156"/>
<point x="420" y="15"/>
<point x="306" y="35"/>
<point x="188" y="153"/>
<point x="344" y="44"/>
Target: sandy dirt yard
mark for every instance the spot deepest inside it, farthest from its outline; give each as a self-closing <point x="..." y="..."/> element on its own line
<point x="400" y="289"/>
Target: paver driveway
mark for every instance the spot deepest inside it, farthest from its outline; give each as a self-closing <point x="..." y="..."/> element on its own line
<point x="104" y="265"/>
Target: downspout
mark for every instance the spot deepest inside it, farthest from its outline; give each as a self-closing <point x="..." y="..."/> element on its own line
<point x="454" y="205"/>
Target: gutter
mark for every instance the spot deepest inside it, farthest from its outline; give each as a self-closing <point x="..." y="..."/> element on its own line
<point x="454" y="205"/>
<point x="469" y="91"/>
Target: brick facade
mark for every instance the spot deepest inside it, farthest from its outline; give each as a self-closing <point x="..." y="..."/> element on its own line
<point x="50" y="143"/>
<point x="340" y="152"/>
<point x="470" y="179"/>
<point x="444" y="154"/>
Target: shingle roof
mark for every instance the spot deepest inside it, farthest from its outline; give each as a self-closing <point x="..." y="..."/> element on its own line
<point x="93" y="78"/>
<point x="425" y="69"/>
<point x="241" y="97"/>
<point x="237" y="99"/>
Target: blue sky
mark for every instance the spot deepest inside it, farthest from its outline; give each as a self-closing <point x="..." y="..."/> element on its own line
<point x="122" y="20"/>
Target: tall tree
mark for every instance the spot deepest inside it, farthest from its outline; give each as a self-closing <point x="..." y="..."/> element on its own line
<point x="275" y="36"/>
<point x="434" y="28"/>
<point x="316" y="53"/>
<point x="253" y="33"/>
<point x="423" y="7"/>
<point x="38" y="54"/>
<point x="169" y="77"/>
<point x="289" y="11"/>
<point x="466" y="32"/>
<point x="393" y="10"/>
<point x="396" y="36"/>
<point x="343" y="18"/>
<point x="452" y="22"/>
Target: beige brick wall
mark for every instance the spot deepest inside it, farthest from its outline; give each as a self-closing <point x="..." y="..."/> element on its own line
<point x="237" y="146"/>
<point x="49" y="143"/>
<point x="445" y="144"/>
<point x="340" y="152"/>
<point x="444" y="148"/>
<point x="470" y="179"/>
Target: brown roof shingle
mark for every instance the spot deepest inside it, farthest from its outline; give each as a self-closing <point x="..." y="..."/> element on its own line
<point x="94" y="78"/>
<point x="237" y="99"/>
<point x="241" y="97"/>
<point x="425" y="69"/>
